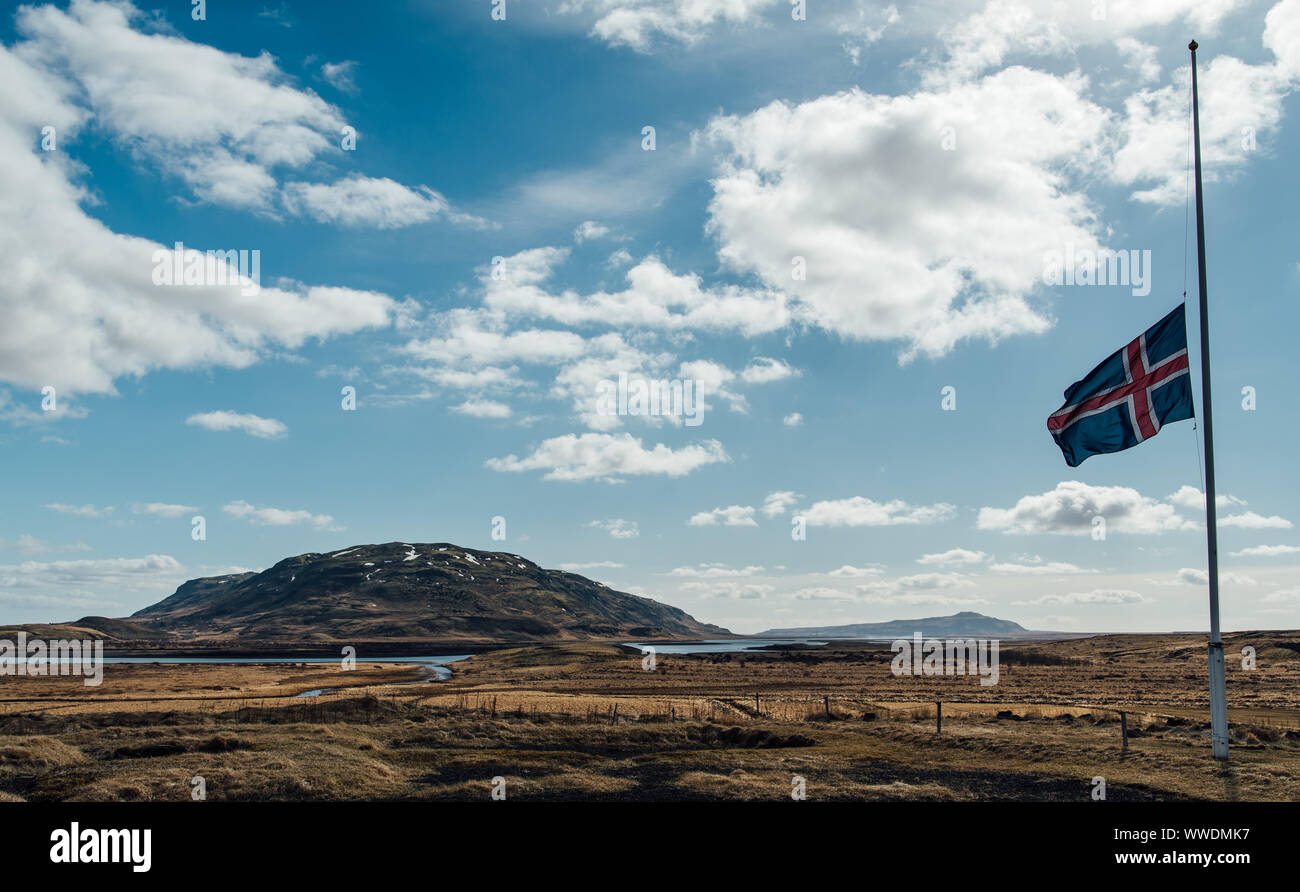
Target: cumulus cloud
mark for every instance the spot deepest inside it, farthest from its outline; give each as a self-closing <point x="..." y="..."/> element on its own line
<point x="1037" y="568"/>
<point x="1191" y="497"/>
<point x="1249" y="520"/>
<point x="655" y="298"/>
<point x="1236" y="98"/>
<point x="1072" y="505"/>
<point x="608" y="457"/>
<point x="737" y="591"/>
<point x="358" y="201"/>
<point x="777" y="503"/>
<point x="930" y="259"/>
<point x="999" y="29"/>
<point x="1266" y="551"/>
<point x="589" y="230"/>
<point x="642" y="24"/>
<point x="851" y="571"/>
<point x="732" y="516"/>
<point x="277" y="517"/>
<point x="483" y="409"/>
<point x="618" y="528"/>
<point x="863" y="512"/>
<point x="794" y="419"/>
<point x="591" y="565"/>
<point x="953" y="557"/>
<point x="253" y="425"/>
<point x="916" y="582"/>
<point x="86" y="586"/>
<point x="762" y="370"/>
<point x="1139" y="58"/>
<point x="1096" y="596"/>
<point x="712" y="571"/>
<point x="1193" y="576"/>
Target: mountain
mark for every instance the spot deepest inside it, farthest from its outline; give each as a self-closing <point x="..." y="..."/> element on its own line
<point x="400" y="591"/>
<point x="961" y="624"/>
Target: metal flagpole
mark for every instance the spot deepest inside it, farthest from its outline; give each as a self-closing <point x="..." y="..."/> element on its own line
<point x="1218" y="686"/>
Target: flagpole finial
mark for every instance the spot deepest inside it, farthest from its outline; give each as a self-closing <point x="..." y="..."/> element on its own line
<point x="1193" y="46"/>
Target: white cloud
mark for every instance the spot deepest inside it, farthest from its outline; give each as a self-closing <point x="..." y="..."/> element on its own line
<point x="1096" y="596"/>
<point x="81" y="510"/>
<point x="607" y="457"/>
<point x="163" y="509"/>
<point x="931" y="258"/>
<point x="1139" y="58"/>
<point x="618" y="528"/>
<point x="253" y="425"/>
<point x="713" y="571"/>
<point x="358" y="201"/>
<point x="81" y="319"/>
<point x="483" y="409"/>
<point x="1191" y="497"/>
<point x="277" y="517"/>
<point x="86" y="585"/>
<point x="655" y="298"/>
<point x="852" y="571"/>
<point x="916" y="582"/>
<point x="953" y="557"/>
<point x="641" y="24"/>
<point x="1236" y="99"/>
<point x="341" y="75"/>
<point x="155" y="93"/>
<point x="1282" y="35"/>
<point x="737" y="591"/>
<point x="762" y="370"/>
<point x="1266" y="551"/>
<point x="863" y="512"/>
<point x="592" y="565"/>
<point x="1002" y="28"/>
<point x="590" y="230"/>
<point x="1249" y="520"/>
<point x="1042" y="568"/>
<point x="732" y="516"/>
<point x="480" y="338"/>
<point x="794" y="419"/>
<point x="777" y="503"/>
<point x="1193" y="576"/>
<point x="1072" y="505"/>
<point x="866" y="27"/>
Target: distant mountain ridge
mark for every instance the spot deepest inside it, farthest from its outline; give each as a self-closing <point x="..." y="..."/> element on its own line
<point x="399" y="591"/>
<point x="966" y="623"/>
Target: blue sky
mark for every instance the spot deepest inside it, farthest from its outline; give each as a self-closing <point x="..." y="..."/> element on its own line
<point x="920" y="160"/>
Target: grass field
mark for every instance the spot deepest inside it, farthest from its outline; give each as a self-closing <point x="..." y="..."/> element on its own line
<point x="587" y="721"/>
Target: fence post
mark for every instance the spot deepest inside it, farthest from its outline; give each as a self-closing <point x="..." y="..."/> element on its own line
<point x="1123" y="728"/>
<point x="828" y="706"/>
<point x="938" y="716"/>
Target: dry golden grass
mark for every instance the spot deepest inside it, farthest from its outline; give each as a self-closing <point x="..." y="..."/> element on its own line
<point x="585" y="721"/>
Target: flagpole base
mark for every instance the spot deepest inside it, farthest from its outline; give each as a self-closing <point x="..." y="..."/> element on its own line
<point x="1218" y="702"/>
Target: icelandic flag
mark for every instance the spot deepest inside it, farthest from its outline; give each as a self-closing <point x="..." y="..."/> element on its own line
<point x="1127" y="399"/>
